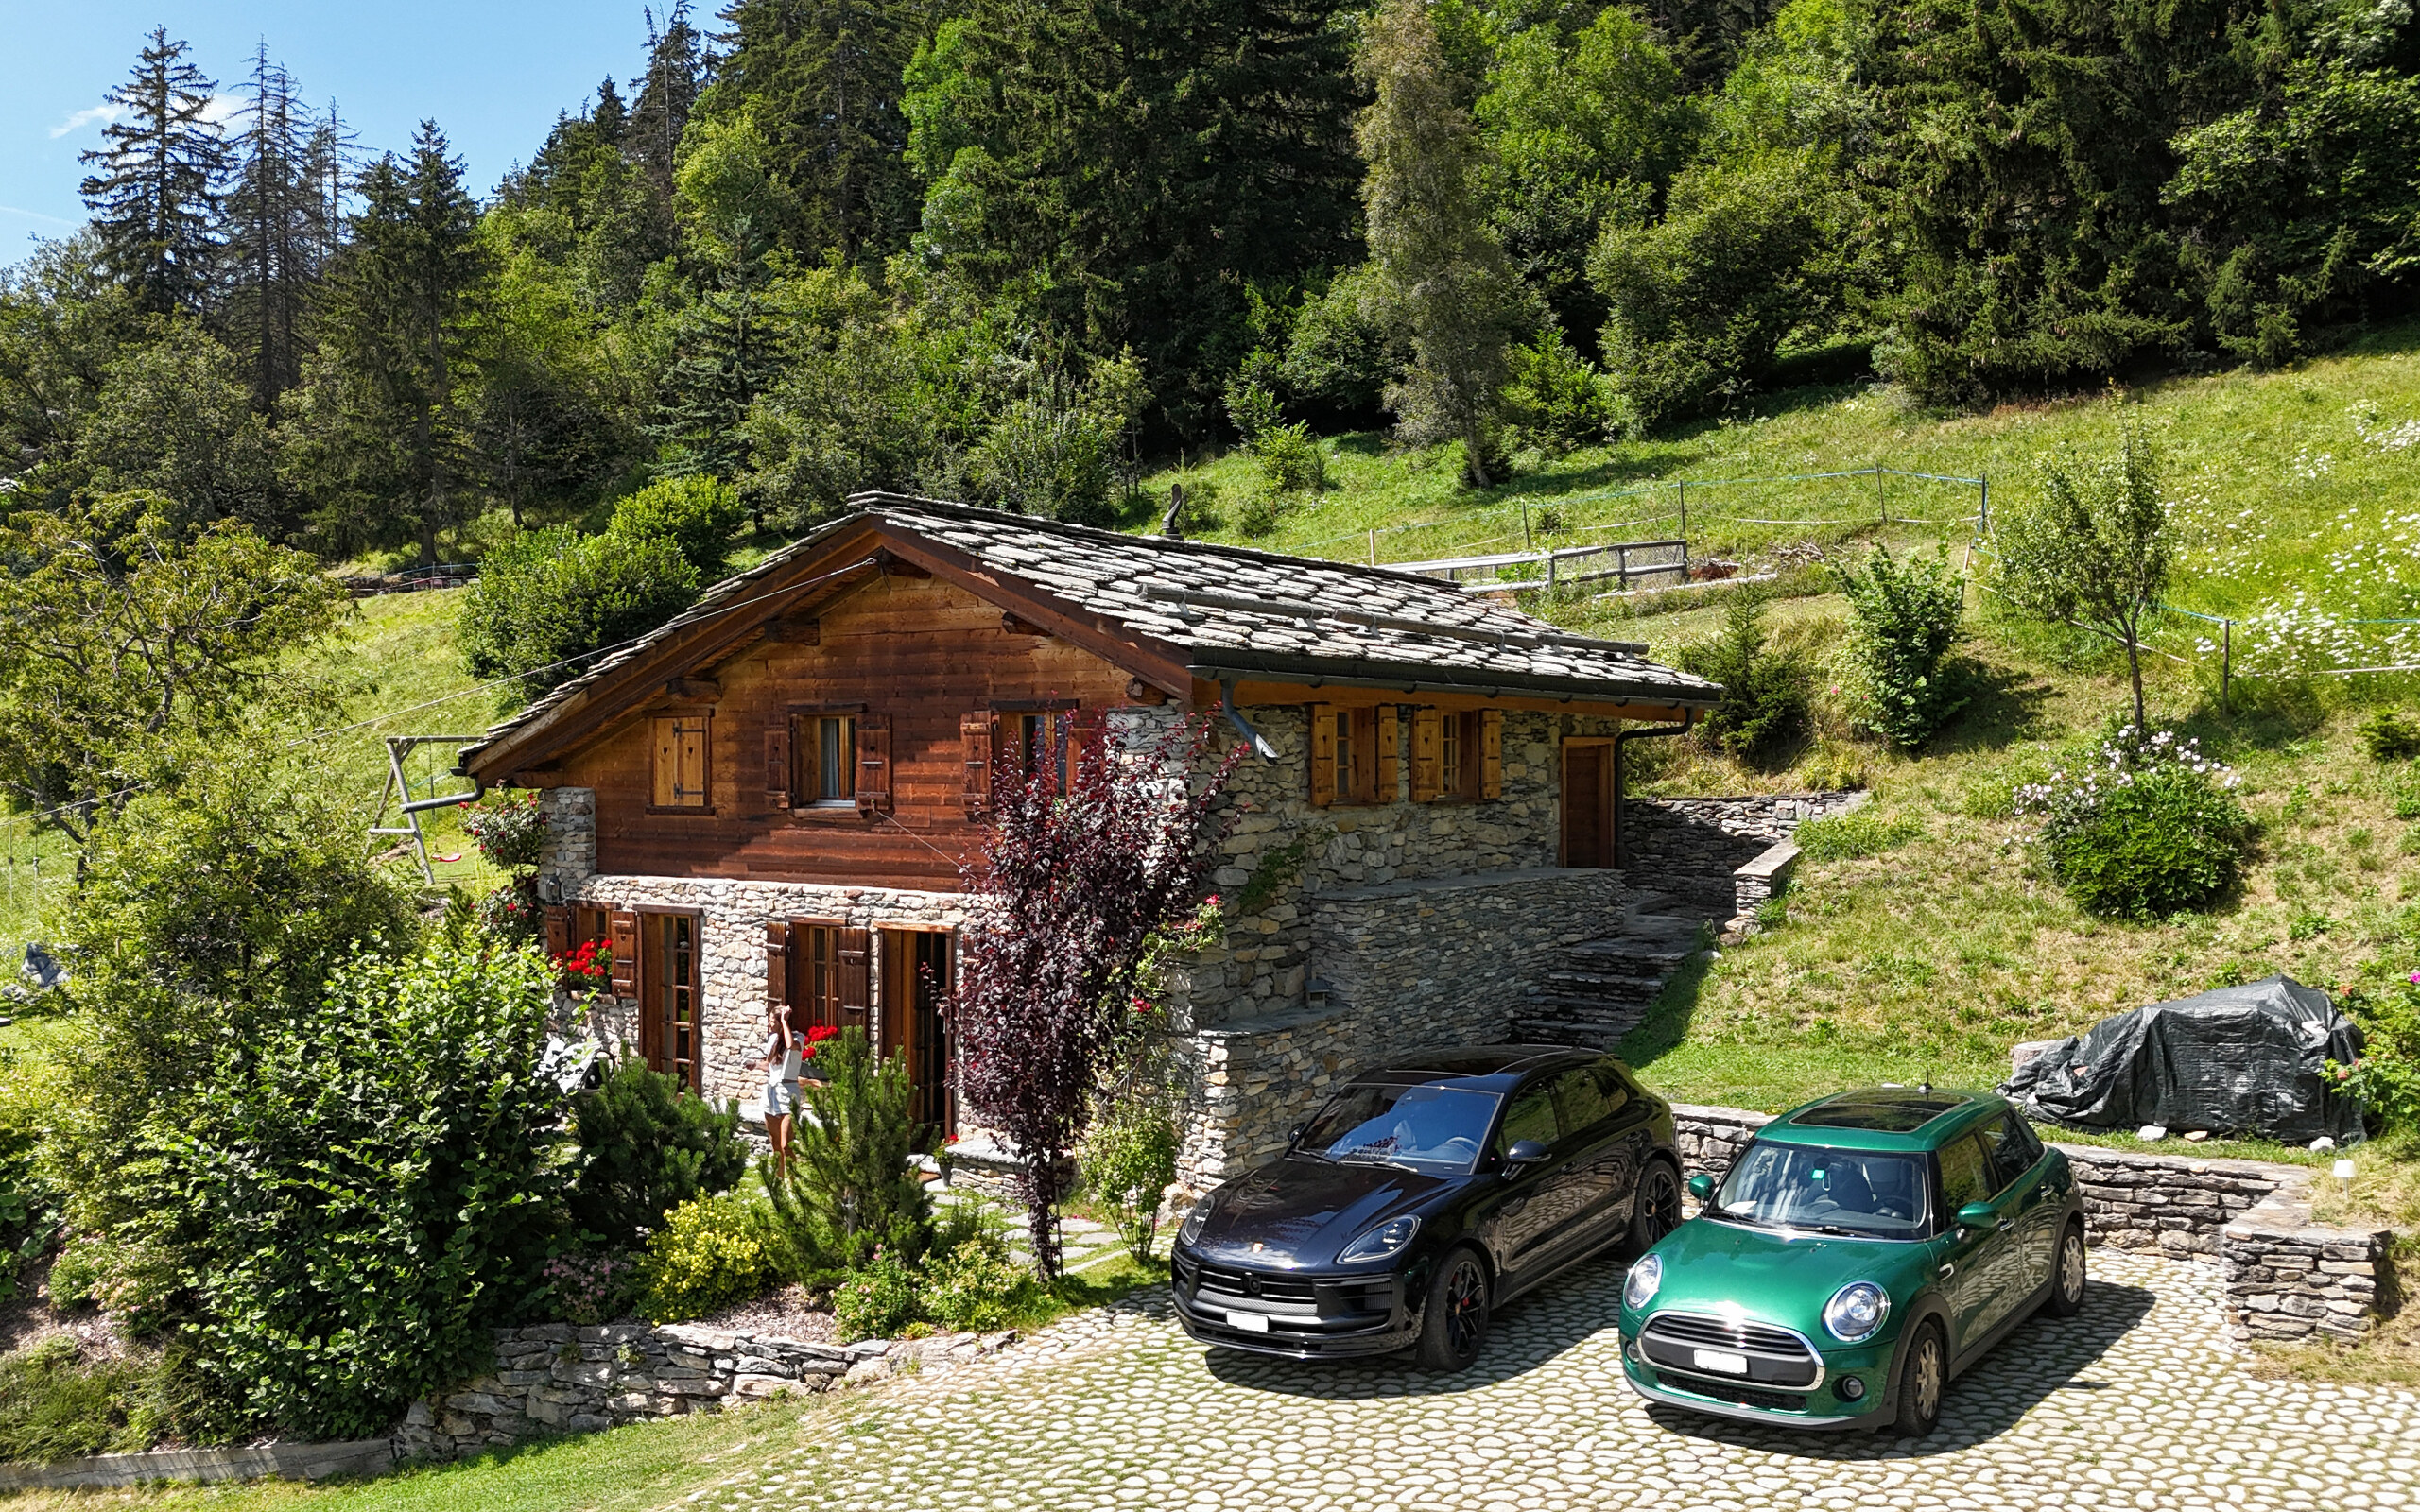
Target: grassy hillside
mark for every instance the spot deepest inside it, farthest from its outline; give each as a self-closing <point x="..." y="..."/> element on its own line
<point x="2286" y="483"/>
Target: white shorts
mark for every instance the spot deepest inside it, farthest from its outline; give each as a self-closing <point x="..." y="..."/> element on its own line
<point x="781" y="1098"/>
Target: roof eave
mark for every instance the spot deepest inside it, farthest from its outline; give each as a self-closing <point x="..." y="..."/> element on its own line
<point x="1225" y="665"/>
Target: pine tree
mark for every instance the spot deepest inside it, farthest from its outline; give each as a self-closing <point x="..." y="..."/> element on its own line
<point x="274" y="232"/>
<point x="155" y="202"/>
<point x="1125" y="171"/>
<point x="824" y="78"/>
<point x="678" y="69"/>
<point x="1447" y="275"/>
<point x="385" y="435"/>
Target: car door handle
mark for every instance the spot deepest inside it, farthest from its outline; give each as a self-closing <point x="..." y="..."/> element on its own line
<point x="2007" y="1224"/>
<point x="1945" y="1272"/>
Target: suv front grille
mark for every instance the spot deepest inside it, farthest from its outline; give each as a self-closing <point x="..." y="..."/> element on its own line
<point x="1294" y="1302"/>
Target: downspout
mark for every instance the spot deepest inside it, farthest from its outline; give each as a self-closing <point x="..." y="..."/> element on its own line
<point x="1622" y="830"/>
<point x="1234" y="716"/>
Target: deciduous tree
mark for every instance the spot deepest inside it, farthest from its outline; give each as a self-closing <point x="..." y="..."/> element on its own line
<point x="1076" y="876"/>
<point x="2095" y="550"/>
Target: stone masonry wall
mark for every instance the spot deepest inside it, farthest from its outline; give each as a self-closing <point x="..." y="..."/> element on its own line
<point x="2285" y="1278"/>
<point x="1693" y="845"/>
<point x="554" y="1378"/>
<point x="1411" y="964"/>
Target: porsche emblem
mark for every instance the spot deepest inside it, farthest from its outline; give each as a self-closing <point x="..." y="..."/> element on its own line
<point x="1257" y="1247"/>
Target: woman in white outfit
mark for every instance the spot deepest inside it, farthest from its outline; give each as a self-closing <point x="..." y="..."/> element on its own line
<point x="781" y="1062"/>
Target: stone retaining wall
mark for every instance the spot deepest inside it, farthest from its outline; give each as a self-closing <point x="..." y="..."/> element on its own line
<point x="1693" y="845"/>
<point x="1447" y="961"/>
<point x="2286" y="1277"/>
<point x="553" y="1378"/>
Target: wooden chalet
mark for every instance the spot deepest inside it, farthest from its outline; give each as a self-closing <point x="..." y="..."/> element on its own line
<point x="771" y="794"/>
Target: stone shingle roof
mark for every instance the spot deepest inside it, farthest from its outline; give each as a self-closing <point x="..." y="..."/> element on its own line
<point x="1229" y="611"/>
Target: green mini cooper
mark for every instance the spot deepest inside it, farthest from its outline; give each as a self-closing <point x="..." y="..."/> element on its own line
<point x="1863" y="1250"/>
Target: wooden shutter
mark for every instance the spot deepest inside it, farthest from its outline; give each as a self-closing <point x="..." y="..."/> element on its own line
<point x="1491" y="753"/>
<point x="557" y="930"/>
<point x="777" y="763"/>
<point x="1390" y="744"/>
<point x="693" y="793"/>
<point x="1427" y="736"/>
<point x="777" y="966"/>
<point x="667" y="761"/>
<point x="874" y="764"/>
<point x="1323" y="754"/>
<point x="975" y="734"/>
<point x="857" y="976"/>
<point x="622" y="928"/>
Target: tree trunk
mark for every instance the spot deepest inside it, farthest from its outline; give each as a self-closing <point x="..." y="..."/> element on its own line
<point x="1473" y="465"/>
<point x="2135" y="667"/>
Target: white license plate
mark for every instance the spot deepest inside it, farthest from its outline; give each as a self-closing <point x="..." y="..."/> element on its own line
<point x="1258" y="1323"/>
<point x="1729" y="1364"/>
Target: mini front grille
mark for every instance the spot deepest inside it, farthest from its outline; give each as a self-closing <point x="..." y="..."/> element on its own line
<point x="1700" y="1331"/>
<point x="1774" y="1357"/>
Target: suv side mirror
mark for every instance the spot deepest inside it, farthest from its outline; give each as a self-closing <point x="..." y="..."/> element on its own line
<point x="1977" y="1216"/>
<point x="1701" y="1187"/>
<point x="1524" y="1152"/>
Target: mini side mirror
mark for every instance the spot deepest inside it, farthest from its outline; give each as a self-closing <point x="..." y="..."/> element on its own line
<point x="1701" y="1187"/>
<point x="1524" y="1152"/>
<point x="1977" y="1216"/>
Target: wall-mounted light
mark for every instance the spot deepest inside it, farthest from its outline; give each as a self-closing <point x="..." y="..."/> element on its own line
<point x="1317" y="990"/>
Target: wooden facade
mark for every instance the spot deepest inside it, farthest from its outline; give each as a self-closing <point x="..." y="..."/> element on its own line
<point x="913" y="678"/>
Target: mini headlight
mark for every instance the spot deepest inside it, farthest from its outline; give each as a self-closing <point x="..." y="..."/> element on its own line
<point x="1645" y="1277"/>
<point x="1386" y="1239"/>
<point x="1190" y="1229"/>
<point x="1855" y="1311"/>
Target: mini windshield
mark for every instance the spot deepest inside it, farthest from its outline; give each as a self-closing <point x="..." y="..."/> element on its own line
<point x="1857" y="1191"/>
<point x="1434" y="1128"/>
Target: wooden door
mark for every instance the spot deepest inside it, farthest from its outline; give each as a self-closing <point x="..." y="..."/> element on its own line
<point x="1587" y="805"/>
<point x="915" y="987"/>
<point x="671" y="1002"/>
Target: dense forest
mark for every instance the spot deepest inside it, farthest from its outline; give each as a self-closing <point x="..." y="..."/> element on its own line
<point x="1003" y="250"/>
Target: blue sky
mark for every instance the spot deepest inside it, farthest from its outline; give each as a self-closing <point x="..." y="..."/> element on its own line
<point x="492" y="74"/>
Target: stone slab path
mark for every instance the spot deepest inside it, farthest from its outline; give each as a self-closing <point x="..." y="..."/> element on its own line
<point x="2141" y="1401"/>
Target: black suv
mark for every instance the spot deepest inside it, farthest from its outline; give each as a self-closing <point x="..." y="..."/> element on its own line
<point x="1423" y="1194"/>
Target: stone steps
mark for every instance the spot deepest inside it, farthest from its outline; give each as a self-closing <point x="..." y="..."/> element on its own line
<point x="1598" y="990"/>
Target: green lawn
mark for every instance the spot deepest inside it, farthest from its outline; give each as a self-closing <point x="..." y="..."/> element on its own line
<point x="2300" y="480"/>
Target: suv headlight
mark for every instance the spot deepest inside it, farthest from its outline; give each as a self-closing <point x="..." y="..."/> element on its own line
<point x="1386" y="1239"/>
<point x="1855" y="1311"/>
<point x="1190" y="1229"/>
<point x="1645" y="1277"/>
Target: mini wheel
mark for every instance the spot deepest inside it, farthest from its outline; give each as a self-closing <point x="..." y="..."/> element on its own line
<point x="2066" y="1283"/>
<point x="1921" y="1380"/>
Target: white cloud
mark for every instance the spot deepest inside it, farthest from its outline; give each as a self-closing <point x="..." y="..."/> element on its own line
<point x="224" y="109"/>
<point x="84" y="118"/>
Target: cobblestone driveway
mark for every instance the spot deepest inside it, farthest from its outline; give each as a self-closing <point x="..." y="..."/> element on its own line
<point x="2139" y="1402"/>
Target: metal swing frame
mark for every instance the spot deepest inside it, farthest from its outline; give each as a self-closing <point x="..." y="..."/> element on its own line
<point x="399" y="750"/>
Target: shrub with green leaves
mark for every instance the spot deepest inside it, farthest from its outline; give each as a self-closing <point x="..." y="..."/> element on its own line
<point x="555" y="595"/>
<point x="646" y="1149"/>
<point x="2390" y="737"/>
<point x="2386" y="1079"/>
<point x="363" y="1189"/>
<point x="976" y="1284"/>
<point x="1903" y="623"/>
<point x="696" y="514"/>
<point x="1763" y="691"/>
<point x="876" y="1300"/>
<point x="711" y="1252"/>
<point x="1127" y="1160"/>
<point x="849" y="1187"/>
<point x="508" y="828"/>
<point x="2142" y="827"/>
<point x="1556" y="400"/>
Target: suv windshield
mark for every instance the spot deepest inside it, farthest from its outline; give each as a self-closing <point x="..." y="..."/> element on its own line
<point x="1807" y="1187"/>
<point x="1436" y="1128"/>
